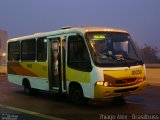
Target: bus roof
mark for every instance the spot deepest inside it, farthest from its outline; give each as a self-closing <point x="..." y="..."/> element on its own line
<point x="68" y="29"/>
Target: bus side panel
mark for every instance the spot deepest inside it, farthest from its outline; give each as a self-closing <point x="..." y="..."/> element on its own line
<point x="16" y="79"/>
<point x="33" y="69"/>
<point x="83" y="78"/>
<point x="35" y="72"/>
<point x="96" y="75"/>
<point x="37" y="83"/>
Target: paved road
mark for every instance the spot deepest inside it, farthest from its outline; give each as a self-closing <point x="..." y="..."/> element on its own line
<point x="15" y="104"/>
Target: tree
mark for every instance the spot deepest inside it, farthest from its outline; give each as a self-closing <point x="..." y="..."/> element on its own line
<point x="149" y="54"/>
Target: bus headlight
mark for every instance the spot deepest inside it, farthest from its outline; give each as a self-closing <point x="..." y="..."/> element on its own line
<point x="101" y="83"/>
<point x="105" y="84"/>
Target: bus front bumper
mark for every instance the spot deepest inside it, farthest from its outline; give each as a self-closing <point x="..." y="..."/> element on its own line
<point x="101" y="92"/>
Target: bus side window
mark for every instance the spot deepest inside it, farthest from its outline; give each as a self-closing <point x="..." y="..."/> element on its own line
<point x="41" y="49"/>
<point x="14" y="51"/>
<point x="28" y="48"/>
<point x="78" y="56"/>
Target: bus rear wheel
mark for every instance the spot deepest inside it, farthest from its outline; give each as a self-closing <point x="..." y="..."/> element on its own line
<point x="27" y="88"/>
<point x="76" y="95"/>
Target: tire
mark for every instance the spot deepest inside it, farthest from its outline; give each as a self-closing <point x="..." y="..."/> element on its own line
<point x="27" y="88"/>
<point x="76" y="95"/>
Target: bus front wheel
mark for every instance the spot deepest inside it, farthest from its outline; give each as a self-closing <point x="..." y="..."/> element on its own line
<point x="76" y="94"/>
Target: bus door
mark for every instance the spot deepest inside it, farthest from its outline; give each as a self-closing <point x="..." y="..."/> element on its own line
<point x="54" y="63"/>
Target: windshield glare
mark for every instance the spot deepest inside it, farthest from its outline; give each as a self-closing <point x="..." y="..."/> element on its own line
<point x="112" y="49"/>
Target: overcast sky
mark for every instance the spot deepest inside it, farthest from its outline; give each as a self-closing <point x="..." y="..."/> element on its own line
<point x="140" y="17"/>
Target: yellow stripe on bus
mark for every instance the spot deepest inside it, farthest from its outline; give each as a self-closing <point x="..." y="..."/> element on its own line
<point x="40" y="69"/>
<point x="77" y="76"/>
<point x="125" y="73"/>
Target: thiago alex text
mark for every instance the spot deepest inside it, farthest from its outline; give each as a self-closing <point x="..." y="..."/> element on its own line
<point x="129" y="116"/>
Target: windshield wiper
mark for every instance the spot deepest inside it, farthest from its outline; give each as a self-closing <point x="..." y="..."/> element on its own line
<point x="118" y="57"/>
<point x="136" y="60"/>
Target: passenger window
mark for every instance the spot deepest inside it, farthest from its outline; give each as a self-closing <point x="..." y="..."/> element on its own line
<point x="41" y="49"/>
<point x="14" y="51"/>
<point x="28" y="50"/>
<point x="78" y="57"/>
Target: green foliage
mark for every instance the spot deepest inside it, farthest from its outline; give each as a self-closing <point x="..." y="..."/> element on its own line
<point x="150" y="54"/>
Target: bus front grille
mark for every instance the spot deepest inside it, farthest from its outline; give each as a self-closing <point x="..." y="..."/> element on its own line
<point x="125" y="82"/>
<point x="125" y="90"/>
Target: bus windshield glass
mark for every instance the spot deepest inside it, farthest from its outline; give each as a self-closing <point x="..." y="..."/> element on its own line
<point x="113" y="49"/>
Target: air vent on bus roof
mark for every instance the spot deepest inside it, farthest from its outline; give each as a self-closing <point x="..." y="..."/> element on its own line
<point x="66" y="27"/>
<point x="39" y="33"/>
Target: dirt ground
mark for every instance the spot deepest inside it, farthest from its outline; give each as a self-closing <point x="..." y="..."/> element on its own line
<point x="153" y="75"/>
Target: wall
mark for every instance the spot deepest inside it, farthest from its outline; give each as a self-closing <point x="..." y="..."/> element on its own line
<point x="3" y="42"/>
<point x="3" y="69"/>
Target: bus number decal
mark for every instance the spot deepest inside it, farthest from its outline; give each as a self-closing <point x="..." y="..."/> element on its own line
<point x="29" y="65"/>
<point x="136" y="72"/>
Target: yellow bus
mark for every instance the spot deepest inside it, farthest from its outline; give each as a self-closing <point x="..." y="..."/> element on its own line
<point x="83" y="62"/>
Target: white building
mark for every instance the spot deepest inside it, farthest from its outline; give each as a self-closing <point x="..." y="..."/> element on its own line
<point x="3" y="41"/>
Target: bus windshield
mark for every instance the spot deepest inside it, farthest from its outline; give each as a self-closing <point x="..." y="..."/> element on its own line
<point x="113" y="49"/>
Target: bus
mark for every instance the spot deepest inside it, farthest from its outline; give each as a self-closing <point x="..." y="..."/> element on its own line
<point x="83" y="62"/>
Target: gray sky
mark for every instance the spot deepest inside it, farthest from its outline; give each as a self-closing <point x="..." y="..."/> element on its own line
<point x="140" y="17"/>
